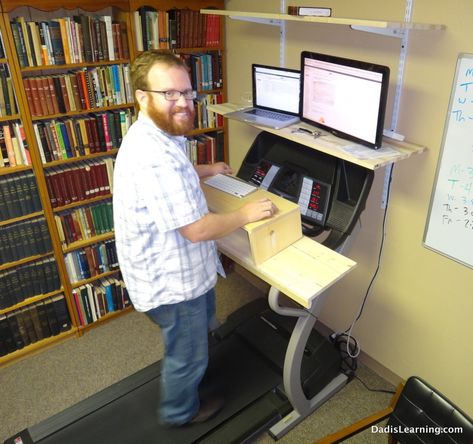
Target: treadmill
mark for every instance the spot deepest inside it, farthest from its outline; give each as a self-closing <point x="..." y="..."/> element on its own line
<point x="267" y="362"/>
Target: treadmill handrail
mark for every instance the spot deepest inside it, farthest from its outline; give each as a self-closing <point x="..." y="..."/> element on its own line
<point x="273" y="299"/>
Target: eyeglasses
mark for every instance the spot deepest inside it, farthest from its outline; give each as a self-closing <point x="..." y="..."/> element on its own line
<point x="173" y="95"/>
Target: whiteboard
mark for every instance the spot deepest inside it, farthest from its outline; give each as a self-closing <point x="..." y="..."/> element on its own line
<point x="449" y="227"/>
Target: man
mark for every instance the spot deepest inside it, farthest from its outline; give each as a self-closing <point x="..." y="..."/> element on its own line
<point x="165" y="234"/>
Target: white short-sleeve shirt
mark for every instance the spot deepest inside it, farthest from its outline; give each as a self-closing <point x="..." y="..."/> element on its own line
<point x="156" y="191"/>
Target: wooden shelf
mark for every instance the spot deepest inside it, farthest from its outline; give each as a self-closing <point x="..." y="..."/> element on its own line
<point x="31" y="300"/>
<point x="70" y="66"/>
<point x="16" y="169"/>
<point x="332" y="145"/>
<point x="10" y="117"/>
<point x="21" y="218"/>
<point x="81" y="203"/>
<point x="54" y="163"/>
<point x="36" y="257"/>
<point x="53" y="5"/>
<point x="36" y="346"/>
<point x="105" y="318"/>
<point x="94" y="278"/>
<point x="274" y="18"/>
<point x="89" y="241"/>
<point x="82" y="112"/>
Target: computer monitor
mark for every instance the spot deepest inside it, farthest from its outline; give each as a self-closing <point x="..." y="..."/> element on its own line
<point x="343" y="96"/>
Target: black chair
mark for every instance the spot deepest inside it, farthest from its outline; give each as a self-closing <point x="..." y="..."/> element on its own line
<point x="418" y="413"/>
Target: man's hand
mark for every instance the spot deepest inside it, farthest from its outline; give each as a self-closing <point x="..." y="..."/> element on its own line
<point x="221" y="168"/>
<point x="257" y="210"/>
<point x="213" y="169"/>
<point x="214" y="226"/>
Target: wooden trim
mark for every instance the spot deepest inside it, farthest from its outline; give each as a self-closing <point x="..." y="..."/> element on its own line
<point x="362" y="424"/>
<point x="36" y="347"/>
<point x="53" y="5"/>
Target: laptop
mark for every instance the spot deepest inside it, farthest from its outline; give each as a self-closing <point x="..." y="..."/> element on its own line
<point x="275" y="97"/>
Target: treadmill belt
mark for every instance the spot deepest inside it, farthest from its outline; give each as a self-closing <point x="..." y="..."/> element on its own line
<point x="126" y="413"/>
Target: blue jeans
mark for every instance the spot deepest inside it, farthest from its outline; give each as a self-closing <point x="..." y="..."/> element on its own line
<point x="185" y="329"/>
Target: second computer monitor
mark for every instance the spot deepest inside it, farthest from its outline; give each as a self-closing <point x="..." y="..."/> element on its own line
<point x="343" y="96"/>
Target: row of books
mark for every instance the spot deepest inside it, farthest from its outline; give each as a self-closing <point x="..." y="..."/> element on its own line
<point x="66" y="138"/>
<point x="78" y="182"/>
<point x="175" y="28"/>
<point x="24" y="239"/>
<point x="19" y="195"/>
<point x="13" y="145"/>
<point x="82" y="90"/>
<point x="8" y="106"/>
<point x="85" y="222"/>
<point x="93" y="301"/>
<point x="66" y="40"/>
<point x="91" y="261"/>
<point x="204" y="118"/>
<point x="205" y="70"/>
<point x="205" y="148"/>
<point x="28" y="280"/>
<point x="28" y="325"/>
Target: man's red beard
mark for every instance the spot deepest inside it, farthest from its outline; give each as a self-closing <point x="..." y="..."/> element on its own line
<point x="165" y="121"/>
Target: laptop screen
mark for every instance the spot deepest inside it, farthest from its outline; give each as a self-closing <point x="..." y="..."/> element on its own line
<point x="276" y="89"/>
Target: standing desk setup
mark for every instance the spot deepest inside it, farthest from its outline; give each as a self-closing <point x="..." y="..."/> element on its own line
<point x="269" y="364"/>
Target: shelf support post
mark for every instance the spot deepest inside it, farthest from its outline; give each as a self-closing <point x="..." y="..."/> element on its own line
<point x="397" y="95"/>
<point x="282" y="36"/>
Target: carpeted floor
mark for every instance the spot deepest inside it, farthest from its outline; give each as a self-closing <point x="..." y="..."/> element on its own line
<point x="41" y="385"/>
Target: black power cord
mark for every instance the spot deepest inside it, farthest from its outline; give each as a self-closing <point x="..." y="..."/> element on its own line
<point x="345" y="342"/>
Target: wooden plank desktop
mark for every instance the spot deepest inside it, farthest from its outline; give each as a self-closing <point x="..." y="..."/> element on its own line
<point x="332" y="145"/>
<point x="302" y="270"/>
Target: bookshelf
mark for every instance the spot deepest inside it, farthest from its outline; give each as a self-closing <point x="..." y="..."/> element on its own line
<point x="33" y="304"/>
<point x="199" y="40"/>
<point x="68" y="110"/>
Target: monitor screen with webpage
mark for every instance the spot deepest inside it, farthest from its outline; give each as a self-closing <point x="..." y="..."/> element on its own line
<point x="345" y="97"/>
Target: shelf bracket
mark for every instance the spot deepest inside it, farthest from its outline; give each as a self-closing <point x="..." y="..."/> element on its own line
<point x="399" y="33"/>
<point x="263" y="21"/>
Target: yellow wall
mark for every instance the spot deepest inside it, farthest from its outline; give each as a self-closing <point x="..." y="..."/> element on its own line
<point x="418" y="317"/>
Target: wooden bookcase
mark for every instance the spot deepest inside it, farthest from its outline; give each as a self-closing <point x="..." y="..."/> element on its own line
<point x="67" y="163"/>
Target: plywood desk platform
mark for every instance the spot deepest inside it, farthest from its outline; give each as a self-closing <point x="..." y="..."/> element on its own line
<point x="301" y="271"/>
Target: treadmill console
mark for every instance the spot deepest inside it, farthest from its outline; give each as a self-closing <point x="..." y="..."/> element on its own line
<point x="294" y="183"/>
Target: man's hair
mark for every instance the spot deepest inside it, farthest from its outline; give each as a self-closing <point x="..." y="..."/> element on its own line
<point x="146" y="60"/>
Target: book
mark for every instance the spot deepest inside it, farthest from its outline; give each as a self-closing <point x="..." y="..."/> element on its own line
<point x="313" y="11"/>
<point x="62" y="315"/>
<point x="15" y="331"/>
<point x="51" y="317"/>
<point x="6" y="87"/>
<point x="56" y="42"/>
<point x="24" y="30"/>
<point x="107" y="20"/>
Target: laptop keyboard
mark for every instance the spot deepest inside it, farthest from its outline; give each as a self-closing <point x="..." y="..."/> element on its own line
<point x="269" y="114"/>
<point x="230" y="185"/>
